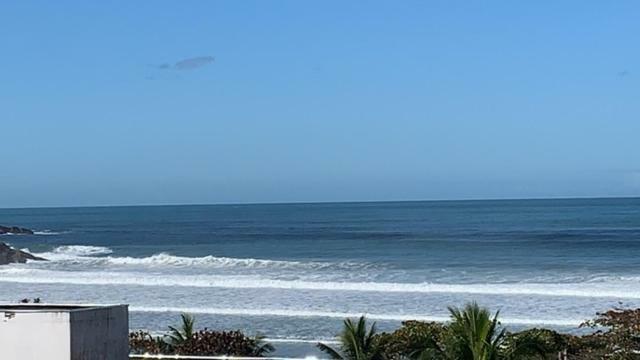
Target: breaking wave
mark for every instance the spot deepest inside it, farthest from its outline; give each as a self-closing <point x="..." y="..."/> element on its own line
<point x="90" y="256"/>
<point x="48" y="232"/>
<point x="73" y="251"/>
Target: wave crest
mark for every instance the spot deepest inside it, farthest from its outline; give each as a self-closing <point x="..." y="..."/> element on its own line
<point x="89" y="255"/>
<point x="48" y="232"/>
<point x="164" y="259"/>
<point x="68" y="252"/>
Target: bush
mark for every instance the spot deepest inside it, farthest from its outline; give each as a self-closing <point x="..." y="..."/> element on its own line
<point x="142" y="342"/>
<point x="412" y="339"/>
<point x="617" y="336"/>
<point x="233" y="343"/>
<point x="535" y="344"/>
<point x="185" y="340"/>
<point x="203" y="342"/>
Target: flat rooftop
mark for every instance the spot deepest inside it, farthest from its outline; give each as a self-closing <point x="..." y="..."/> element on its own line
<point x="49" y="307"/>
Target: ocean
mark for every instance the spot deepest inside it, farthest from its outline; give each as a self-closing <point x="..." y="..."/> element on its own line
<point x="292" y="272"/>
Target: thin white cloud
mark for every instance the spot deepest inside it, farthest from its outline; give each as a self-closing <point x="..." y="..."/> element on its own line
<point x="189" y="63"/>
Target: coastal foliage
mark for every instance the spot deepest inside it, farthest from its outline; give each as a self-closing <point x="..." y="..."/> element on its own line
<point x="234" y="343"/>
<point x="184" y="339"/>
<point x="616" y="336"/>
<point x="534" y="344"/>
<point x="142" y="342"/>
<point x="473" y="333"/>
<point x="414" y="340"/>
<point x="178" y="336"/>
<point x="356" y="342"/>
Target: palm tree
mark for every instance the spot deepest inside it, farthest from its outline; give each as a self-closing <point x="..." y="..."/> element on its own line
<point x="262" y="347"/>
<point x="356" y="343"/>
<point x="474" y="334"/>
<point x="186" y="331"/>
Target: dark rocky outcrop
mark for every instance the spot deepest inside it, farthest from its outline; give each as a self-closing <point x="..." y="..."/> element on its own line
<point x="14" y="230"/>
<point x="9" y="255"/>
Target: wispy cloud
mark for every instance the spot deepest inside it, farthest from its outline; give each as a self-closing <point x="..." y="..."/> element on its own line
<point x="194" y="63"/>
<point x="188" y="64"/>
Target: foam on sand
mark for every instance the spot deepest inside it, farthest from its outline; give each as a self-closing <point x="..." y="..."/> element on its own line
<point x="629" y="289"/>
<point x="340" y="315"/>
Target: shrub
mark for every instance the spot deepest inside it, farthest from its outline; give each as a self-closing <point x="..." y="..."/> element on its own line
<point x="234" y="343"/>
<point x="142" y="342"/>
<point x="617" y="336"/>
<point x="185" y="340"/>
<point x="414" y="339"/>
<point x="543" y="344"/>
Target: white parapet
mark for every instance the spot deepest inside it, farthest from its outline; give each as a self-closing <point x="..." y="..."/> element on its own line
<point x="64" y="332"/>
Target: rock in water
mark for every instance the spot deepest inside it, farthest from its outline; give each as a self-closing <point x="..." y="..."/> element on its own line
<point x="9" y="255"/>
<point x="14" y="230"/>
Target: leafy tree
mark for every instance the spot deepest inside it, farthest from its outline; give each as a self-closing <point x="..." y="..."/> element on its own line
<point x="415" y="339"/>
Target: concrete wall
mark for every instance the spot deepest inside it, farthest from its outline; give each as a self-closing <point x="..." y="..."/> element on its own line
<point x="100" y="334"/>
<point x="32" y="335"/>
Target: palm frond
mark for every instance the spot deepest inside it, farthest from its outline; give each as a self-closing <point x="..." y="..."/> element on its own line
<point x="262" y="347"/>
<point x="185" y="330"/>
<point x="333" y="354"/>
<point x="356" y="342"/>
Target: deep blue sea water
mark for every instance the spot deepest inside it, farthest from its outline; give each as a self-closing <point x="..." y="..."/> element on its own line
<point x="293" y="271"/>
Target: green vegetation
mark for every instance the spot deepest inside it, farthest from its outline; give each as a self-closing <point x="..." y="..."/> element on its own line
<point x="473" y="333"/>
<point x="178" y="337"/>
<point x="356" y="343"/>
<point x="184" y="339"/>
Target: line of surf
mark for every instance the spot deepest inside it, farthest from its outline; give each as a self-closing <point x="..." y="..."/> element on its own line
<point x="340" y="315"/>
<point x="620" y="289"/>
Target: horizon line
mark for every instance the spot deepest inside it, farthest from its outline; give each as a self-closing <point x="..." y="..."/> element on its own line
<point x="328" y="202"/>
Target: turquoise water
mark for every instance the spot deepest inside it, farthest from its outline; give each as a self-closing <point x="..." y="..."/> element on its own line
<point x="292" y="271"/>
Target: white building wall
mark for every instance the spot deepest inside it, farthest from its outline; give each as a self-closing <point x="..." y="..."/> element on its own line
<point x="64" y="333"/>
<point x="30" y="335"/>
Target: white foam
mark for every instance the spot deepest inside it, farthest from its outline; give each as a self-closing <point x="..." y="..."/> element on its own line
<point x="68" y="252"/>
<point x="618" y="289"/>
<point x="341" y="315"/>
<point x="164" y="259"/>
<point x="47" y="232"/>
<point x="87" y="254"/>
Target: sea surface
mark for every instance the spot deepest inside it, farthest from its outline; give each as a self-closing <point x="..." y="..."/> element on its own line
<point x="292" y="272"/>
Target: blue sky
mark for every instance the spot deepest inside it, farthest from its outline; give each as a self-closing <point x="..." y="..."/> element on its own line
<point x="156" y="102"/>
